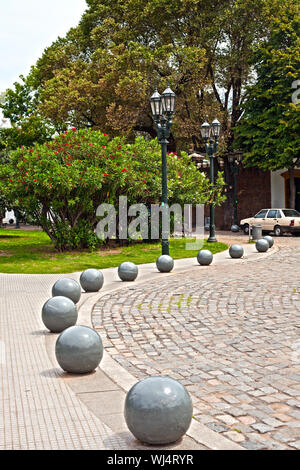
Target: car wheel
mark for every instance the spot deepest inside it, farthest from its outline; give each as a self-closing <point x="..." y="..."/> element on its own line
<point x="246" y="229"/>
<point x="277" y="231"/>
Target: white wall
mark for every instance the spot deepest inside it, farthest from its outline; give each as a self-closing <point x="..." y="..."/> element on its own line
<point x="277" y="189"/>
<point x="4" y="123"/>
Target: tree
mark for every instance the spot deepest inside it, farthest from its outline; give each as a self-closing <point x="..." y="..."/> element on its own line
<point x="27" y="126"/>
<point x="3" y="159"/>
<point x="269" y="132"/>
<point x="3" y="203"/>
<point x="61" y="183"/>
<point x="103" y="72"/>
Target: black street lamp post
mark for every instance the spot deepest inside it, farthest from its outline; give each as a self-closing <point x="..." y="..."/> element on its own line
<point x="211" y="133"/>
<point x="163" y="107"/>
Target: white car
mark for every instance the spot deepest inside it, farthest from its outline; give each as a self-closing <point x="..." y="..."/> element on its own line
<point x="278" y="221"/>
<point x="9" y="218"/>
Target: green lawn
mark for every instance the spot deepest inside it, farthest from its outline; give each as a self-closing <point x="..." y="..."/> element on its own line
<point x="32" y="252"/>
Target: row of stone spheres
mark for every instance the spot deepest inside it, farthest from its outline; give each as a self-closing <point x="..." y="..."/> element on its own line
<point x="158" y="410"/>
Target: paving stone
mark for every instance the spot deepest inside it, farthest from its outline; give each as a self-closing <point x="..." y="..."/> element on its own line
<point x="227" y="419"/>
<point x="230" y="399"/>
<point x="252" y="445"/>
<point x="236" y="412"/>
<point x="295" y="414"/>
<point x="281" y="437"/>
<point x="217" y="427"/>
<point x="296" y="444"/>
<point x="235" y="436"/>
<point x="247" y="420"/>
<point x="274" y="423"/>
<point x="282" y="417"/>
<point x="262" y="428"/>
<point x="293" y="424"/>
<point x="242" y="428"/>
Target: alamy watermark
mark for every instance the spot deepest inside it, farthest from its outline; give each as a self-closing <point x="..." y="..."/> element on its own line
<point x="296" y="94"/>
<point x="141" y="222"/>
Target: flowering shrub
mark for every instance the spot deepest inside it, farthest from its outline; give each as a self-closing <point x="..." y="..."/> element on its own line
<point x="61" y="183"/>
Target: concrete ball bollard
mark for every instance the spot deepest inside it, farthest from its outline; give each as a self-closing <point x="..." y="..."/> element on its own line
<point x="204" y="257"/>
<point x="79" y="350"/>
<point x="91" y="280"/>
<point x="128" y="271"/>
<point x="158" y="410"/>
<point x="165" y="263"/>
<point x="235" y="228"/>
<point x="59" y="313"/>
<point x="236" y="251"/>
<point x="67" y="288"/>
<point x="270" y="240"/>
<point x="262" y="245"/>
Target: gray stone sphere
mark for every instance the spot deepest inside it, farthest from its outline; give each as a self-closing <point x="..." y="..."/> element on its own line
<point x="270" y="240"/>
<point x="91" y="280"/>
<point x="79" y="350"/>
<point x="67" y="288"/>
<point x="262" y="245"/>
<point x="128" y="271"/>
<point x="158" y="410"/>
<point x="204" y="257"/>
<point x="165" y="263"/>
<point x="59" y="313"/>
<point x="236" y="251"/>
<point x="235" y="228"/>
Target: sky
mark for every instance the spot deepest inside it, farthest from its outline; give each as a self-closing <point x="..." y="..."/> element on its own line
<point x="27" y="27"/>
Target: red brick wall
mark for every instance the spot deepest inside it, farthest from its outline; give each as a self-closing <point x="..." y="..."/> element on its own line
<point x="253" y="194"/>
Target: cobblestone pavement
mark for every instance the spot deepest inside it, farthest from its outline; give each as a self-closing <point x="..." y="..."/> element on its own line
<point x="230" y="333"/>
<point x="37" y="409"/>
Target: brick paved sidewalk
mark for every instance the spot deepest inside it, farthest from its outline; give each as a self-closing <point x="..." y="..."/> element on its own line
<point x="37" y="409"/>
<point x="41" y="407"/>
<point x="230" y="333"/>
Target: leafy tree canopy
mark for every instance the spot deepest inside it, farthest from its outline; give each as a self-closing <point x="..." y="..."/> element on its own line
<point x="102" y="73"/>
<point x="27" y="126"/>
<point x="269" y="132"/>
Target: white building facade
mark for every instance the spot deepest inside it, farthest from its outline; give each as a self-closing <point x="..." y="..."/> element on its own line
<point x="280" y="189"/>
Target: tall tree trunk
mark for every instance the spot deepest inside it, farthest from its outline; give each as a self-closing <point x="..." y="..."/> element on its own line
<point x="292" y="188"/>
